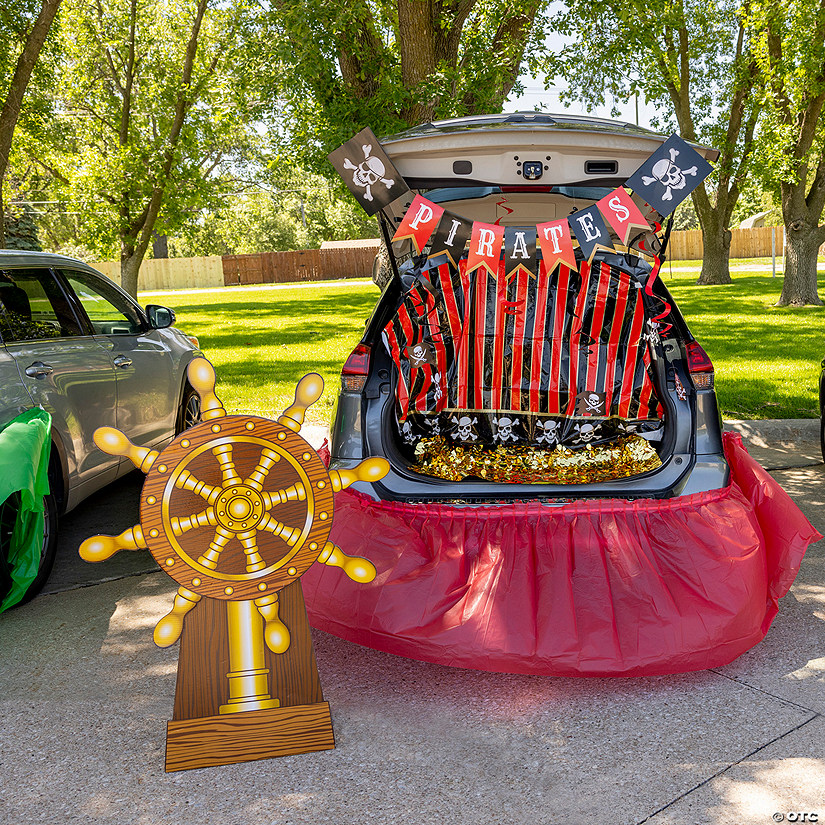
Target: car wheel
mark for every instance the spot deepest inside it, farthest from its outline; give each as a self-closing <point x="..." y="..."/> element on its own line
<point x="190" y="410"/>
<point x="9" y="513"/>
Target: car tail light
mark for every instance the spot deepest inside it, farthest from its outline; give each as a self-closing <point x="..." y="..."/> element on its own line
<point x="356" y="368"/>
<point x="699" y="366"/>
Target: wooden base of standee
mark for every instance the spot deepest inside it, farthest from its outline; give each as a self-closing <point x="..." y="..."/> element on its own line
<point x="200" y="736"/>
<point x="244" y="737"/>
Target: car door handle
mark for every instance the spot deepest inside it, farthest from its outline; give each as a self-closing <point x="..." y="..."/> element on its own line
<point x="38" y="369"/>
<point x="122" y="361"/>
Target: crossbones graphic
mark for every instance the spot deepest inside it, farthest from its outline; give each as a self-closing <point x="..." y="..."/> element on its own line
<point x="463" y="429"/>
<point x="585" y="433"/>
<point x="369" y="172"/>
<point x="549" y="432"/>
<point x="504" y="429"/>
<point x="669" y="174"/>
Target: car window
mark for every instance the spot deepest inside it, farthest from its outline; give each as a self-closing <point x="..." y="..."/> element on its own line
<point x="109" y="312"/>
<point x="33" y="307"/>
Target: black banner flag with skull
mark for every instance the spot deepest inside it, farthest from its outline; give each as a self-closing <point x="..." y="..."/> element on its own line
<point x="368" y="172"/>
<point x="669" y="175"/>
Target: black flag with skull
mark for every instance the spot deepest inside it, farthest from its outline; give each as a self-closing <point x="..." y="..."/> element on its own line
<point x="669" y="175"/>
<point x="368" y="172"/>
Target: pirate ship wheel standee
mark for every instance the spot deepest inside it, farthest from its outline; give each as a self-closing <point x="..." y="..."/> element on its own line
<point x="235" y="510"/>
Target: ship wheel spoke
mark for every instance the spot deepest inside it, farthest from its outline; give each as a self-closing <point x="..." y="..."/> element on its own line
<point x="227" y="462"/>
<point x="289" y="534"/>
<point x="296" y="492"/>
<point x="266" y="462"/>
<point x="213" y="553"/>
<point x="206" y="518"/>
<point x="254" y="560"/>
<point x="186" y="481"/>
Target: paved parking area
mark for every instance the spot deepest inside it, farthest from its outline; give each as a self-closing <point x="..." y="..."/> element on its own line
<point x="86" y="696"/>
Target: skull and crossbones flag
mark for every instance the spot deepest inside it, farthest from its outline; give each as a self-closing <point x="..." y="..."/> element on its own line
<point x="669" y="175"/>
<point x="368" y="172"/>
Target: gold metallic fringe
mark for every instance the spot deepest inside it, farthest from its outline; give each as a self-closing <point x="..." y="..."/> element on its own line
<point x="625" y="456"/>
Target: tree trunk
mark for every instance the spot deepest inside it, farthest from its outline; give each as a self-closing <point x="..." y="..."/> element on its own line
<point x="129" y="271"/>
<point x="160" y="245"/>
<point x="801" y="250"/>
<point x="716" y="255"/>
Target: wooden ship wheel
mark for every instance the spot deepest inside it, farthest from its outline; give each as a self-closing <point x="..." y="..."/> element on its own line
<point x="235" y="510"/>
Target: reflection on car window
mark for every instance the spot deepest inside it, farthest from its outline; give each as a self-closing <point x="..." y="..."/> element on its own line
<point x="109" y="313"/>
<point x="33" y="307"/>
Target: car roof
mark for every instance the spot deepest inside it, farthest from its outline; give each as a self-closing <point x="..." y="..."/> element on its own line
<point x="19" y="258"/>
<point x="492" y="149"/>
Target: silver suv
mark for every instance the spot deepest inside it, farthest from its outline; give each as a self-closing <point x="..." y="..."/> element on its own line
<point x="518" y="170"/>
<point x="73" y="343"/>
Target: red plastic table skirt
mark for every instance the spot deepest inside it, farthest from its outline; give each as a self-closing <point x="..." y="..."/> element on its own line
<point x="594" y="588"/>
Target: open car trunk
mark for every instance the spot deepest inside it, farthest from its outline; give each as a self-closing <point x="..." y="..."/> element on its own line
<point x="528" y="387"/>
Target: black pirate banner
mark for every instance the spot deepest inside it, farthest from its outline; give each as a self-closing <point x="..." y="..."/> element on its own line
<point x="624" y="217"/>
<point x="591" y="231"/>
<point x="520" y="251"/>
<point x="451" y="237"/>
<point x="556" y="244"/>
<point x="368" y="172"/>
<point x="669" y="175"/>
<point x="419" y="223"/>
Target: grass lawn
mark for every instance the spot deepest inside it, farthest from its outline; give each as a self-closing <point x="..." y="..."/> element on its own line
<point x="262" y="339"/>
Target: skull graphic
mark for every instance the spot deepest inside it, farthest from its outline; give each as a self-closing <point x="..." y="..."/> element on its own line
<point x="369" y="172"/>
<point x="585" y="433"/>
<point x="669" y="174"/>
<point x="504" y="429"/>
<point x="463" y="430"/>
<point x="407" y="432"/>
<point x="547" y="432"/>
<point x="437" y="391"/>
<point x="434" y="425"/>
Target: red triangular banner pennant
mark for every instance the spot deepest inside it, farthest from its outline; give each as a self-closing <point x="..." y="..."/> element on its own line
<point x="622" y="214"/>
<point x="556" y="244"/>
<point x="419" y="223"/>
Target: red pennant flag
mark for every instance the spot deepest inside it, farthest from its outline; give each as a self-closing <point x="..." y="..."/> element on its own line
<point x="556" y="244"/>
<point x="485" y="247"/>
<point x="419" y="223"/>
<point x="622" y="214"/>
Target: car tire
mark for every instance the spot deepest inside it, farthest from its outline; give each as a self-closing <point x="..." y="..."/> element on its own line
<point x="190" y="410"/>
<point x="9" y="510"/>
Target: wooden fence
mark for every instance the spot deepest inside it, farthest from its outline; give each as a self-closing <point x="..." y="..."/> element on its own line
<point x="745" y="243"/>
<point x="356" y="262"/>
<point x="172" y="273"/>
<point x="301" y="265"/>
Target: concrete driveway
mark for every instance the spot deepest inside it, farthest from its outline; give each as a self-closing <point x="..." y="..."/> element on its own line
<point x="86" y="696"/>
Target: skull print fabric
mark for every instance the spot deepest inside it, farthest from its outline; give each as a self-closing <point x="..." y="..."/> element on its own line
<point x="557" y="358"/>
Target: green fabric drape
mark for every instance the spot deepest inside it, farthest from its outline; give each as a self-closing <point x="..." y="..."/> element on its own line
<point x="24" y="465"/>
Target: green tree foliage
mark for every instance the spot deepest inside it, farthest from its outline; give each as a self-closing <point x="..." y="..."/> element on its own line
<point x="157" y="105"/>
<point x="789" y="42"/>
<point x="693" y="59"/>
<point x="306" y="212"/>
<point x="391" y="64"/>
<point x="24" y="27"/>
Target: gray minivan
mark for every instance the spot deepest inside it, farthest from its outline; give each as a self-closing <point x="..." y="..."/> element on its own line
<point x="75" y="344"/>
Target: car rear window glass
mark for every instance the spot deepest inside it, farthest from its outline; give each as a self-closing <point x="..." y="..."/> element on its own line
<point x="33" y="307"/>
<point x="109" y="312"/>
